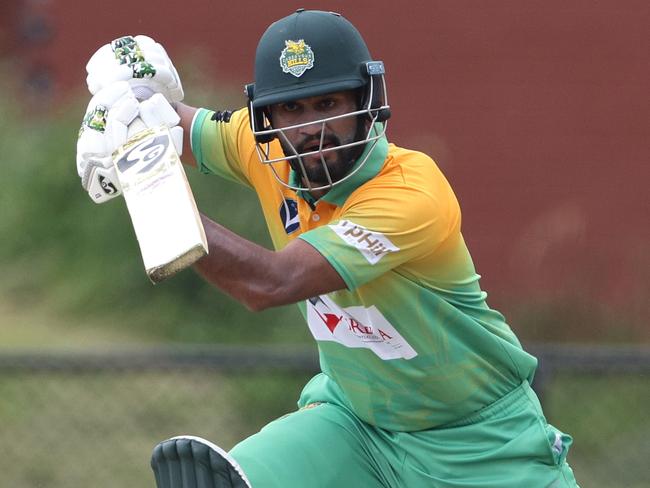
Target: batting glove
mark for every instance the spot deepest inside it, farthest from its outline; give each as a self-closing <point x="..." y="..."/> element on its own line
<point x="103" y="129"/>
<point x="157" y="111"/>
<point x="139" y="60"/>
<point x="112" y="117"/>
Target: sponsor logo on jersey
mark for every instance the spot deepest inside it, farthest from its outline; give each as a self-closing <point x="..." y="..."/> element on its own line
<point x="356" y="327"/>
<point x="289" y="215"/>
<point x="296" y="57"/>
<point x="372" y="245"/>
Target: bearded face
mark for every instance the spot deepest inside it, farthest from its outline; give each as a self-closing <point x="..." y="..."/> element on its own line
<point x="336" y="162"/>
<point x="303" y="131"/>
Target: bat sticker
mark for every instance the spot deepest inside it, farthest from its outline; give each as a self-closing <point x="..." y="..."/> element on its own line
<point x="145" y="155"/>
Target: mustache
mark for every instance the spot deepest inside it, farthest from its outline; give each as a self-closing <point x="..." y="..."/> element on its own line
<point x="314" y="142"/>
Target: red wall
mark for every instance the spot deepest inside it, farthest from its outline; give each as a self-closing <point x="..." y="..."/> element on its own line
<point x="537" y="111"/>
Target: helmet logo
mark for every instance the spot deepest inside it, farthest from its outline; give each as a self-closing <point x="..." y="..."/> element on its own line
<point x="296" y="58"/>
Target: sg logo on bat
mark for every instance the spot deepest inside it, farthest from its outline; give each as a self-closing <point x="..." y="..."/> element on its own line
<point x="145" y="159"/>
<point x="145" y="155"/>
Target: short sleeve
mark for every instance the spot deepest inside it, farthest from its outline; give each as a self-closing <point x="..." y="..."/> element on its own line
<point x="382" y="230"/>
<point x="219" y="144"/>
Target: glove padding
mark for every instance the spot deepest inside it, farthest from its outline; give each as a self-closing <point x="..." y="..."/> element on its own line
<point x="138" y="60"/>
<point x="113" y="115"/>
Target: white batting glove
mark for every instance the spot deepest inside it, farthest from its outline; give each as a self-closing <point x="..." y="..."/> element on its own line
<point x="139" y="60"/>
<point x="112" y="116"/>
<point x="157" y="111"/>
<point x="103" y="129"/>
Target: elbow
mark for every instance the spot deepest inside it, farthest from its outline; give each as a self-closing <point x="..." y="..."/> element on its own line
<point x="253" y="300"/>
<point x="269" y="296"/>
<point x="256" y="305"/>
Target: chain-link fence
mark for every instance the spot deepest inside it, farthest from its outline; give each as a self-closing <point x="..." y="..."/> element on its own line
<point x="90" y="419"/>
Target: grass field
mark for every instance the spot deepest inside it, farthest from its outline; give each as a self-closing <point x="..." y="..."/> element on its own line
<point x="609" y="419"/>
<point x="97" y="428"/>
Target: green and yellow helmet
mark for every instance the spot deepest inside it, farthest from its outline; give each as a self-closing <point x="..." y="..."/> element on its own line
<point x="311" y="53"/>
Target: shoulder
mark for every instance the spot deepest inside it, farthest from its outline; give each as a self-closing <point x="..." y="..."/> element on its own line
<point x="409" y="199"/>
<point x="409" y="182"/>
<point x="415" y="168"/>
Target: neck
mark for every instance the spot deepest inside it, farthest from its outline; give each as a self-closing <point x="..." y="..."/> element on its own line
<point x="318" y="194"/>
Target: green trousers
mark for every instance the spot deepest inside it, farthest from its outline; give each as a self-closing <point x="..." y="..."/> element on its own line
<point x="508" y="444"/>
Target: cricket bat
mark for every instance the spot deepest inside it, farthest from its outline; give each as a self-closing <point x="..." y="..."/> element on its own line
<point x="160" y="201"/>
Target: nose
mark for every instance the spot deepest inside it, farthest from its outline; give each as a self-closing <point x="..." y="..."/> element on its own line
<point x="310" y="129"/>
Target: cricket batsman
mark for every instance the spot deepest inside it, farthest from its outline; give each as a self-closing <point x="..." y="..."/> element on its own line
<point x="422" y="384"/>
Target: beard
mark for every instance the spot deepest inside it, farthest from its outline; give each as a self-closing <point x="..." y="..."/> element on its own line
<point x="339" y="162"/>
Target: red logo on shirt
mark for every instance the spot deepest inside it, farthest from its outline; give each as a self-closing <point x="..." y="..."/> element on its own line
<point x="331" y="320"/>
<point x="364" y="327"/>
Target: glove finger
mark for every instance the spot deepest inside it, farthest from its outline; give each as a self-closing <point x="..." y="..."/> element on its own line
<point x="106" y="76"/>
<point x="99" y="118"/>
<point x="175" y="93"/>
<point x="104" y="125"/>
<point x="158" y="111"/>
<point x="97" y="66"/>
<point x="110" y="94"/>
<point x="116" y="134"/>
<point x="144" y="41"/>
<point x="100" y="57"/>
<point x="139" y="60"/>
<point x="176" y="87"/>
<point x="163" y="75"/>
<point x="90" y="143"/>
<point x="125" y="109"/>
<point x="112" y="62"/>
<point x="166" y="74"/>
<point x="177" y="138"/>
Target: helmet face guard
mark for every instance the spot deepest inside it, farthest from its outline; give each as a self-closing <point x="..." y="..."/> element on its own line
<point x="373" y="108"/>
<point x="307" y="54"/>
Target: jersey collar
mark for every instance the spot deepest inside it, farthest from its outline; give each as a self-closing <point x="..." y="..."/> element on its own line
<point x="339" y="193"/>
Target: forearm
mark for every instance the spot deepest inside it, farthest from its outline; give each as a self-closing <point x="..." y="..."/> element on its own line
<point x="240" y="268"/>
<point x="260" y="278"/>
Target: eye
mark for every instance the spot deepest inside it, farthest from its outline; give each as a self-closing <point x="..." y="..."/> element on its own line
<point x="290" y="106"/>
<point x="327" y="103"/>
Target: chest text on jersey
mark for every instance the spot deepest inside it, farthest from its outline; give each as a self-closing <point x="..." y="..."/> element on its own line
<point x="355" y="327"/>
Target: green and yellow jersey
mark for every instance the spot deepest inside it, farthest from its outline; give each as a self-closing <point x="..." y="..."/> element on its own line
<point x="410" y="344"/>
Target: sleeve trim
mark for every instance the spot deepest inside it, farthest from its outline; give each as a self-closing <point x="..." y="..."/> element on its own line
<point x="349" y="280"/>
<point x="195" y="135"/>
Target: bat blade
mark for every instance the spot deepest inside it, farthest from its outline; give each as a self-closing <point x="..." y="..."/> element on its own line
<point x="160" y="202"/>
